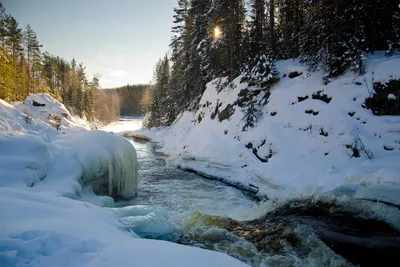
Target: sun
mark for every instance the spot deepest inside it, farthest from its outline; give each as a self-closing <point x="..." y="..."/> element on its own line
<point x="217" y="32"/>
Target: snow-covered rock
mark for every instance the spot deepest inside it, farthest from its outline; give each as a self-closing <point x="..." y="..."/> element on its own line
<point x="14" y="121"/>
<point x="47" y="109"/>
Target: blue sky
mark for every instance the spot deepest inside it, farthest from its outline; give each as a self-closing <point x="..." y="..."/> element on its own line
<point x="120" y="39"/>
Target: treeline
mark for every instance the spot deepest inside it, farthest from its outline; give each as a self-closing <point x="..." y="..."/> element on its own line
<point x="107" y="105"/>
<point x="25" y="70"/>
<point x="228" y="38"/>
<point x="133" y="99"/>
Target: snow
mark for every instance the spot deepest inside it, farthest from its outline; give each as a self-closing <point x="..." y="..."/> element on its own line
<point x="48" y="219"/>
<point x="308" y="153"/>
<point x="114" y="161"/>
<point x="49" y="230"/>
<point x="13" y="121"/>
<point x="51" y="112"/>
<point x="383" y="68"/>
<point x="124" y="125"/>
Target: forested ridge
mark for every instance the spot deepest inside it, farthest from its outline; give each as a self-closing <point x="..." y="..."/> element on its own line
<point x="227" y="38"/>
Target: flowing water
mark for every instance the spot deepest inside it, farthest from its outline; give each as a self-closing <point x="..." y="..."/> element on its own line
<point x="174" y="195"/>
<point x="182" y="207"/>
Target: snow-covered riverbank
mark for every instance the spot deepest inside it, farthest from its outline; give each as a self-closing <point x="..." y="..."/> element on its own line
<point x="47" y="219"/>
<point x="303" y="139"/>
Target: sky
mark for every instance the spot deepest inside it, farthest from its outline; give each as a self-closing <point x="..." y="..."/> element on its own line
<point x="121" y="39"/>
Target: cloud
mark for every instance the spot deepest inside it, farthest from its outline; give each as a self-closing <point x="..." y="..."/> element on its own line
<point x="117" y="73"/>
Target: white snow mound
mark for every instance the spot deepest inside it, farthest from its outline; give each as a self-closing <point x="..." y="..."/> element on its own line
<point x="46" y="108"/>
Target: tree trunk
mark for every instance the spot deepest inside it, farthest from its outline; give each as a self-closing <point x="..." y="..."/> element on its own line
<point x="272" y="26"/>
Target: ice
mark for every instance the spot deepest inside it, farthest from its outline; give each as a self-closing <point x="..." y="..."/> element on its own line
<point x="29" y="160"/>
<point x="88" y="195"/>
<point x="151" y="226"/>
<point x="380" y="192"/>
<point x="147" y="222"/>
<point x="111" y="164"/>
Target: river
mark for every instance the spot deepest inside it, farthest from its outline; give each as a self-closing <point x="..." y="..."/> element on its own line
<point x="182" y="207"/>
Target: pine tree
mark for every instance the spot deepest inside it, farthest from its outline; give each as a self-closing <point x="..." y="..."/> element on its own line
<point x="160" y="105"/>
<point x="49" y="72"/>
<point x="89" y="95"/>
<point x="272" y="31"/>
<point x="13" y="44"/>
<point x="81" y="88"/>
<point x="257" y="29"/>
<point x="7" y="68"/>
<point x="290" y="20"/>
<point x="145" y="101"/>
<point x="14" y="37"/>
<point x="34" y="57"/>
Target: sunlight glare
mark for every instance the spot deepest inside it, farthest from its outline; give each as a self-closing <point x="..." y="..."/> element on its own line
<point x="217" y="32"/>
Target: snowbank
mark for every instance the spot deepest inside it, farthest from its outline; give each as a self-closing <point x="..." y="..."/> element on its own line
<point x="303" y="139"/>
<point x="123" y="125"/>
<point x="43" y="229"/>
<point x="45" y="215"/>
<point x="32" y="151"/>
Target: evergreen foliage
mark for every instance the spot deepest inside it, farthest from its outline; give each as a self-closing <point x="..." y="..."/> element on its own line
<point x="133" y="99"/>
<point x="212" y="39"/>
<point x="25" y="70"/>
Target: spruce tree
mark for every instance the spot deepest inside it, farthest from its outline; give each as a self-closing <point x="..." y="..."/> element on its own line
<point x="34" y="58"/>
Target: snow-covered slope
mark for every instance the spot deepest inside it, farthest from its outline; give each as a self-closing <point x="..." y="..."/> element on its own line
<point x="45" y="219"/>
<point x="303" y="139"/>
<point x="13" y="121"/>
<point x="47" y="109"/>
